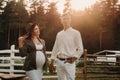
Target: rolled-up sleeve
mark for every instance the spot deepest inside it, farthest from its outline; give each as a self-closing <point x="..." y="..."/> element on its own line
<point x="23" y="50"/>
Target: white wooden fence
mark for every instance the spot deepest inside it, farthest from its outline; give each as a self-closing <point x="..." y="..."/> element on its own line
<point x="9" y="59"/>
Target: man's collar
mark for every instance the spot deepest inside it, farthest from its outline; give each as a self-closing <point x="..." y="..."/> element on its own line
<point x="67" y="29"/>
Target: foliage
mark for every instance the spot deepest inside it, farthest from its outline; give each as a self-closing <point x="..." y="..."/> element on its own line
<point x="14" y="19"/>
<point x="97" y="25"/>
<point x="80" y="64"/>
<point x="53" y="25"/>
<point x="48" y="73"/>
<point x="37" y="13"/>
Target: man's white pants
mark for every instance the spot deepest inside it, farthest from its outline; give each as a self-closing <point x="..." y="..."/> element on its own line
<point x="65" y="71"/>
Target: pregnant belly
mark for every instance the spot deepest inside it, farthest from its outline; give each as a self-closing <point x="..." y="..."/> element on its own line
<point x="40" y="59"/>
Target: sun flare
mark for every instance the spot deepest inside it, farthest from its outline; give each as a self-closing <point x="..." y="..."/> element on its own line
<point x="81" y="4"/>
<point x="75" y="4"/>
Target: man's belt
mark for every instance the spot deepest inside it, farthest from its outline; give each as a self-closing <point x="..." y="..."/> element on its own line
<point x="63" y="59"/>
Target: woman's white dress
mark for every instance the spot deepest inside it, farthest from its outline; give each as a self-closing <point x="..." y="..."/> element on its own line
<point x="40" y="60"/>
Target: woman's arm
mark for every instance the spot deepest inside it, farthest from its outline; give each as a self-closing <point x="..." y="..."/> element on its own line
<point x="23" y="49"/>
<point x="21" y="40"/>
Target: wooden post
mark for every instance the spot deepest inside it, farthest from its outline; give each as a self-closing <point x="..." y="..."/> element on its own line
<point x="11" y="59"/>
<point x="85" y="64"/>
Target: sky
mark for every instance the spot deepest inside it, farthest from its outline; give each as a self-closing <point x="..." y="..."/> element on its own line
<point x="75" y="4"/>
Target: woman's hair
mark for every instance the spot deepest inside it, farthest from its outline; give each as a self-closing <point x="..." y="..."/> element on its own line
<point x="27" y="28"/>
<point x="31" y="29"/>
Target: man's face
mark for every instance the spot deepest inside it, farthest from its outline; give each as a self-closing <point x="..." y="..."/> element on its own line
<point x="66" y="20"/>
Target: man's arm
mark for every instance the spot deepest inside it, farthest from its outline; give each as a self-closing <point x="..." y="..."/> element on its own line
<point x="53" y="56"/>
<point x="55" y="50"/>
<point x="79" y="45"/>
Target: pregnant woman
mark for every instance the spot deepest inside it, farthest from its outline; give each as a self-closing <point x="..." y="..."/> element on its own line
<point x="32" y="47"/>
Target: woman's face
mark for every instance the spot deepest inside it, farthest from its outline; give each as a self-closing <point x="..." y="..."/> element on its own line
<point x="36" y="31"/>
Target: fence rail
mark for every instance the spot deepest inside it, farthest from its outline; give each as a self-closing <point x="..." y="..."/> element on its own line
<point x="11" y="62"/>
<point x="10" y="58"/>
<point x="93" y="68"/>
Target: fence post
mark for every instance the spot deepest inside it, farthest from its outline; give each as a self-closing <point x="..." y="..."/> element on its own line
<point x="12" y="48"/>
<point x="85" y="64"/>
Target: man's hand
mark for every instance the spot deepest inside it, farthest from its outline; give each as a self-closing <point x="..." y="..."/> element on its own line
<point x="70" y="60"/>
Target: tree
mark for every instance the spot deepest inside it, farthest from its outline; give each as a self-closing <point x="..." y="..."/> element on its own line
<point x="117" y="28"/>
<point x="53" y="25"/>
<point x="14" y="18"/>
<point x="97" y="25"/>
<point x="37" y="13"/>
<point x="67" y="7"/>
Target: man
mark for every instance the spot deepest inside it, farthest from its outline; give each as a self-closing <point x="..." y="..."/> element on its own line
<point x="67" y="49"/>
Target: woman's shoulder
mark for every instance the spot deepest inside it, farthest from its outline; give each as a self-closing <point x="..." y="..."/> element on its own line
<point x="42" y="40"/>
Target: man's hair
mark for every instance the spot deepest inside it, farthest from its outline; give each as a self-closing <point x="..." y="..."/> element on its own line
<point x="66" y="14"/>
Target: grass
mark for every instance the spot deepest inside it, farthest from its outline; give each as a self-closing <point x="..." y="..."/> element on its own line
<point x="50" y="74"/>
<point x="80" y="76"/>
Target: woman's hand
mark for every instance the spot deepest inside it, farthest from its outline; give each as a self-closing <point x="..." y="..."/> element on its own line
<point x="21" y="40"/>
<point x="51" y="67"/>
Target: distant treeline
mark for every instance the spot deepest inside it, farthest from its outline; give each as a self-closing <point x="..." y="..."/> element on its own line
<point x="98" y="24"/>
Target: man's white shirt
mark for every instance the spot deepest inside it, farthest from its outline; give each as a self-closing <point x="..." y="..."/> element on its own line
<point x="68" y="44"/>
